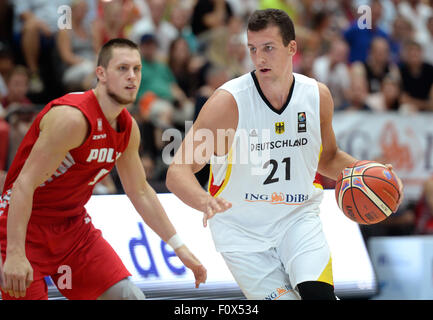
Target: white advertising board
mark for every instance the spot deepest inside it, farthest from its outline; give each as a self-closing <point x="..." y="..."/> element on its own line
<point x="153" y="264"/>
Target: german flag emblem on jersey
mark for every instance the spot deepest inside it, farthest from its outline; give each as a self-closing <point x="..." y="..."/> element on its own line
<point x="279" y="127"/>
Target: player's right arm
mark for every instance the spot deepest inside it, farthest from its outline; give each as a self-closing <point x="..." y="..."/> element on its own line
<point x="219" y="112"/>
<point x="63" y="128"/>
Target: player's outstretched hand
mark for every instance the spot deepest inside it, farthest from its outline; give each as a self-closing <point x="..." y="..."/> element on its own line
<point x="191" y="262"/>
<point x="18" y="275"/>
<point x="400" y="184"/>
<point x="214" y="206"/>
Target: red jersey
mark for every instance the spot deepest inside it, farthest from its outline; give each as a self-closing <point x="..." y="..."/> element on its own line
<point x="66" y="192"/>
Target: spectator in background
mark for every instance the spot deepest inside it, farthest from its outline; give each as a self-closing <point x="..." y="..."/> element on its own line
<point x="149" y="149"/>
<point x="417" y="79"/>
<point x="357" y="97"/>
<point x="152" y="120"/>
<point x="163" y="30"/>
<point x="18" y="85"/>
<point x="20" y="119"/>
<point x="157" y="78"/>
<point x="209" y="14"/>
<point x="226" y="47"/>
<point x="76" y="50"/>
<point x="35" y="26"/>
<point x="388" y="98"/>
<point x="332" y="70"/>
<point x="322" y="22"/>
<point x="243" y="8"/>
<point x="306" y="62"/>
<point x="348" y="12"/>
<point x="377" y="66"/>
<point x="359" y="40"/>
<point x="402" y="31"/>
<point x="186" y="67"/>
<point x="180" y="16"/>
<point x="152" y="22"/>
<point x="389" y="14"/>
<point x="238" y="61"/>
<point x="427" y="43"/>
<point x="417" y="13"/>
<point x="215" y="77"/>
<point x="109" y="24"/>
<point x="322" y="34"/>
<point x="342" y="13"/>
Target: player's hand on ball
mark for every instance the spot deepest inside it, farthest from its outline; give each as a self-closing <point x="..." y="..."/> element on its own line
<point x="213" y="206"/>
<point x="191" y="262"/>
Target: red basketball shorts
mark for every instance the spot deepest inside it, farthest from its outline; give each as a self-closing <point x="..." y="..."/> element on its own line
<point x="73" y="252"/>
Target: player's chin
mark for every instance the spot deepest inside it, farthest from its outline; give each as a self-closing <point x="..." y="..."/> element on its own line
<point x="129" y="97"/>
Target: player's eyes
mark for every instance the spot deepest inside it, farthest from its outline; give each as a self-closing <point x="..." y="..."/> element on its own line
<point x="253" y="50"/>
<point x="269" y="48"/>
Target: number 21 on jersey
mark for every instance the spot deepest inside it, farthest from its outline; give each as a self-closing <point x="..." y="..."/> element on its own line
<point x="274" y="164"/>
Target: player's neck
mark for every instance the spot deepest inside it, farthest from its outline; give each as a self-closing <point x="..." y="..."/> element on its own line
<point x="110" y="108"/>
<point x="276" y="90"/>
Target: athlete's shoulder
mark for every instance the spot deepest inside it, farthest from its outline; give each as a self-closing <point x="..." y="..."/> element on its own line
<point x="240" y="83"/>
<point x="64" y="125"/>
<point x="76" y="98"/>
<point x="304" y="80"/>
<point x="64" y="116"/>
<point x="308" y="89"/>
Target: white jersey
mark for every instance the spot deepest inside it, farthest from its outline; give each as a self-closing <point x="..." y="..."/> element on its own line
<point x="269" y="173"/>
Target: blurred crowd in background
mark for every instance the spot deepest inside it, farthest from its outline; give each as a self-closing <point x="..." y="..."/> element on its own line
<point x="375" y="56"/>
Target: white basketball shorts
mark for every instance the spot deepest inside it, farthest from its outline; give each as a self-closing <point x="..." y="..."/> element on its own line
<point x="303" y="255"/>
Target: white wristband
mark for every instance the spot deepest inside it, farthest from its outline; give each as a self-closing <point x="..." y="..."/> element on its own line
<point x="175" y="242"/>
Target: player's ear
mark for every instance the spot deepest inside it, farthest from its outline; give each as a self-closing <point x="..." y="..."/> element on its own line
<point x="100" y="73"/>
<point x="293" y="47"/>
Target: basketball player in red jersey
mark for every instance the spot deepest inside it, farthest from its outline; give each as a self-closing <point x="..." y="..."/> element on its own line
<point x="72" y="144"/>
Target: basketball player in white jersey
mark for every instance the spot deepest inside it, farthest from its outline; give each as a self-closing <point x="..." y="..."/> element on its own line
<point x="267" y="228"/>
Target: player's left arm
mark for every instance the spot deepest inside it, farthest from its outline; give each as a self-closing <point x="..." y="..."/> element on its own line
<point x="147" y="204"/>
<point x="332" y="159"/>
<point x="138" y="190"/>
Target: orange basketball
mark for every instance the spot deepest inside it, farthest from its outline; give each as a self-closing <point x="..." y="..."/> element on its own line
<point x="367" y="192"/>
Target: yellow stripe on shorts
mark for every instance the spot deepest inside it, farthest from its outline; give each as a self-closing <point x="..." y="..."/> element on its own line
<point x="326" y="275"/>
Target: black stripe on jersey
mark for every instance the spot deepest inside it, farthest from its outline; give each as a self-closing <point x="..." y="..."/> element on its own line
<point x="256" y="82"/>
